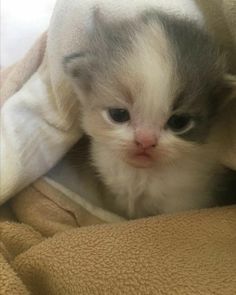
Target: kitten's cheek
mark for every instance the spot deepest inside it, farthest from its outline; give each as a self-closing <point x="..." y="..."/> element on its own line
<point x="92" y="125"/>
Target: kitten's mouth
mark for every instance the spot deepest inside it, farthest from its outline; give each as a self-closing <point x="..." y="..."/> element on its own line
<point x="140" y="159"/>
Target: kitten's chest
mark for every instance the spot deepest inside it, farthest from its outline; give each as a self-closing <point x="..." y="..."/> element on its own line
<point x="141" y="193"/>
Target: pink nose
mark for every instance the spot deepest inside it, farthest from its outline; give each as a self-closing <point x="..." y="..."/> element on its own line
<point x="145" y="140"/>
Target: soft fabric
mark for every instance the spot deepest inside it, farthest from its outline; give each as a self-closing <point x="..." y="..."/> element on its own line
<point x="14" y="77"/>
<point x="220" y="17"/>
<point x="21" y="24"/>
<point x="51" y="239"/>
<point x="191" y="253"/>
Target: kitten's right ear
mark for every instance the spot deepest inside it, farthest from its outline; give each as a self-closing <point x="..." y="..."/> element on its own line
<point x="80" y="68"/>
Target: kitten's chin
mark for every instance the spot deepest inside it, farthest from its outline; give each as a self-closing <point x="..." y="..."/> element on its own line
<point x="140" y="161"/>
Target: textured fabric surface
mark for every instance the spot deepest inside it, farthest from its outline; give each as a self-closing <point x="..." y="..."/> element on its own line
<point x="10" y="283"/>
<point x="14" y="77"/>
<point x="49" y="210"/>
<point x="191" y="253"/>
<point x="221" y="20"/>
<point x="51" y="240"/>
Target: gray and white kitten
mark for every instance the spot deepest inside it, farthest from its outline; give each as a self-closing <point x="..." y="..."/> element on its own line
<point x="151" y="89"/>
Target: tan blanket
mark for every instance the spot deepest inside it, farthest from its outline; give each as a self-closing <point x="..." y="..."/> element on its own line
<point x="183" y="254"/>
<point x="42" y="250"/>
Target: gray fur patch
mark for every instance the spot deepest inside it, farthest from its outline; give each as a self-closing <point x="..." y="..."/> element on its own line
<point x="201" y="67"/>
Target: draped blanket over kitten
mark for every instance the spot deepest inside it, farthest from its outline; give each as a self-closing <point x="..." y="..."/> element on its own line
<point x="185" y="253"/>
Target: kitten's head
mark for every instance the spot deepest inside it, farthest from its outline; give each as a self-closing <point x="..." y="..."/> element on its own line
<point x="150" y="88"/>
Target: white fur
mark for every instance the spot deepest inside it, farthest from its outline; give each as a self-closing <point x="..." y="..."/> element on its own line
<point x="152" y="64"/>
<point x="163" y="189"/>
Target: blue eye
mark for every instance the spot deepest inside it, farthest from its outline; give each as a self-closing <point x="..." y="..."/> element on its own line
<point x="119" y="115"/>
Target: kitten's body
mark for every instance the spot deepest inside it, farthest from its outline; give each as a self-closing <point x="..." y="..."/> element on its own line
<point x="153" y="66"/>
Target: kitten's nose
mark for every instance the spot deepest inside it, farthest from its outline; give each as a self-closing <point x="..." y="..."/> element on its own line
<point x="145" y="140"/>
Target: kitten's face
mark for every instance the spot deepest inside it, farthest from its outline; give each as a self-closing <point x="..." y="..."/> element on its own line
<point x="148" y="102"/>
<point x="133" y="114"/>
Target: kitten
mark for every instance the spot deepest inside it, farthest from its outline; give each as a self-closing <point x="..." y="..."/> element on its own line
<point x="151" y="89"/>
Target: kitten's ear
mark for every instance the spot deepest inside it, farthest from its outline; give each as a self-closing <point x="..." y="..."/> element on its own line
<point x="80" y="68"/>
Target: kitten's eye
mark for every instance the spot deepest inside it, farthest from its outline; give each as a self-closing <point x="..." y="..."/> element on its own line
<point x="119" y="115"/>
<point x="180" y="124"/>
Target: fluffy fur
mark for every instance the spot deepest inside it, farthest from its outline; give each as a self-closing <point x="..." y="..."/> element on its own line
<point x="154" y="66"/>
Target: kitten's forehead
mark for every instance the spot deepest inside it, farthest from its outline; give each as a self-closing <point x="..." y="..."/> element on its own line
<point x="136" y="63"/>
<point x="149" y="71"/>
<point x="156" y="63"/>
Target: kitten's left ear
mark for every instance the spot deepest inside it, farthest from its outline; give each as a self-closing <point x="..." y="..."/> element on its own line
<point x="80" y="68"/>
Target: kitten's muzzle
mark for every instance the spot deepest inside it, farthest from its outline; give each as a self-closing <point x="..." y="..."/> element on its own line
<point x="141" y="157"/>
